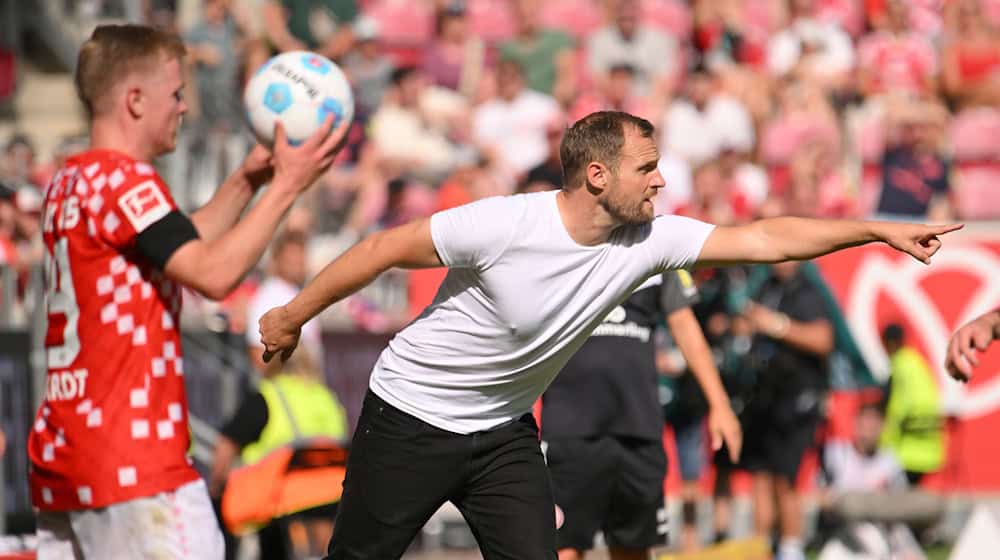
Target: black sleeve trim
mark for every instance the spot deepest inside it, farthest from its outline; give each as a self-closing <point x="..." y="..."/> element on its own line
<point x="246" y="426"/>
<point x="159" y="241"/>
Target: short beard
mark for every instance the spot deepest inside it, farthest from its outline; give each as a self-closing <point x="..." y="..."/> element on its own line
<point x="629" y="215"/>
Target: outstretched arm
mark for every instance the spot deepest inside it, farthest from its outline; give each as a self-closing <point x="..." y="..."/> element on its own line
<point x="406" y="246"/>
<point x="783" y="239"/>
<point x="722" y="422"/>
<point x="968" y="341"/>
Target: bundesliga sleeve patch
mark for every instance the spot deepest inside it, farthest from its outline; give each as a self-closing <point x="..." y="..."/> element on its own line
<point x="144" y="205"/>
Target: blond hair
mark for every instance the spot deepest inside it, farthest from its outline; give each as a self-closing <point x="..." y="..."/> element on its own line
<point x="115" y="51"/>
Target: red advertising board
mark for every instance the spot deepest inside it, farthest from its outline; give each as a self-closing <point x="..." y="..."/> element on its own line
<point x="876" y="286"/>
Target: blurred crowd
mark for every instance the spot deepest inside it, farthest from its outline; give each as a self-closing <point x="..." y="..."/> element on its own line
<point x="829" y="108"/>
<point x="834" y="108"/>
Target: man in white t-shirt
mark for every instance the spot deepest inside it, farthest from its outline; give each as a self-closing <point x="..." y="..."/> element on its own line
<point x="447" y="416"/>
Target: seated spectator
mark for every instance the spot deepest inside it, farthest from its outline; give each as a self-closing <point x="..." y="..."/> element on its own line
<point x="546" y="55"/>
<point x="971" y="58"/>
<point x="617" y="92"/>
<point x="856" y="507"/>
<point x="897" y="59"/>
<point x="323" y="26"/>
<point x="455" y="58"/>
<point x="368" y="68"/>
<point x="401" y="132"/>
<point x="697" y="126"/>
<point x="746" y="182"/>
<point x="915" y="172"/>
<point x="814" y="51"/>
<point x="818" y="186"/>
<point x="651" y="53"/>
<point x="804" y="116"/>
<point x="513" y="124"/>
<point x="710" y="198"/>
<point x="17" y="163"/>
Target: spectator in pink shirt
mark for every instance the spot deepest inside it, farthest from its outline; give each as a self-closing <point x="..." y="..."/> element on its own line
<point x="897" y="59"/>
<point x="616" y="93"/>
<point x="971" y="58"/>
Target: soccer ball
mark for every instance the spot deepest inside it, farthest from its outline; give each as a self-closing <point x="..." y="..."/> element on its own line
<point x="300" y="89"/>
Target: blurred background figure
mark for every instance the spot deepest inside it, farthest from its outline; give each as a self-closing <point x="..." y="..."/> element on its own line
<point x="914" y="422"/>
<point x="862" y="479"/>
<point x="323" y="26"/>
<point x="793" y="337"/>
<point x="291" y="406"/>
<point x="652" y="54"/>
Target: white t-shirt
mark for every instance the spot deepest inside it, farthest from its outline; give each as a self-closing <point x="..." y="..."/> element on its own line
<point x="275" y="292"/>
<point x="520" y="298"/>
<point x="698" y="136"/>
<point x="850" y="471"/>
<point x="651" y="52"/>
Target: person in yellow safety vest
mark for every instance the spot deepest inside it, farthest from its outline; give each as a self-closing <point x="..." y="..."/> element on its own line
<point x="292" y="402"/>
<point x="914" y="428"/>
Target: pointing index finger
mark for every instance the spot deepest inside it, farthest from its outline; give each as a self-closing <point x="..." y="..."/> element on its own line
<point x="941" y="230"/>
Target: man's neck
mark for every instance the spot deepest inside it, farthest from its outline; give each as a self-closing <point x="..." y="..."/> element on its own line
<point x="585" y="220"/>
<point x="105" y="135"/>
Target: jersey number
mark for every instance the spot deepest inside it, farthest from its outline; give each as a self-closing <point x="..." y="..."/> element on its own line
<point x="62" y="301"/>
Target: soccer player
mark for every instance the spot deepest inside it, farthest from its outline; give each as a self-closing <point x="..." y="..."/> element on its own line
<point x="110" y="474"/>
<point x="448" y="416"/>
<point x="603" y="426"/>
<point x="965" y="345"/>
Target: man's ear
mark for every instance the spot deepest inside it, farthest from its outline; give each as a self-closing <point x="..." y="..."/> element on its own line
<point x="597" y="175"/>
<point x="135" y="102"/>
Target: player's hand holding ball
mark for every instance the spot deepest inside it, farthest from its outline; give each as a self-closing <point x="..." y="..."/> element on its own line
<point x="300" y="104"/>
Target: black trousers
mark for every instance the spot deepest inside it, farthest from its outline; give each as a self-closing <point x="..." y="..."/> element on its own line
<point x="401" y="470"/>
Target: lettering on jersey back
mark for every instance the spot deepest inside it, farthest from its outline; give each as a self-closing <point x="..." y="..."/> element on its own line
<point x="66" y="385"/>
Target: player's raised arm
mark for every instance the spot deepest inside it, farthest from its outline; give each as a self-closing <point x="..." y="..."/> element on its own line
<point x="406" y="246"/>
<point x="786" y="238"/>
<point x="214" y="267"/>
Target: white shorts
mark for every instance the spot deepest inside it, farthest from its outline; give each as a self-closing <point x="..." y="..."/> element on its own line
<point x="178" y="525"/>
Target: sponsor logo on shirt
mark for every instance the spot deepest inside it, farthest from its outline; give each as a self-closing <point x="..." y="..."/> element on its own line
<point x="614" y="325"/>
<point x="144" y="205"/>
